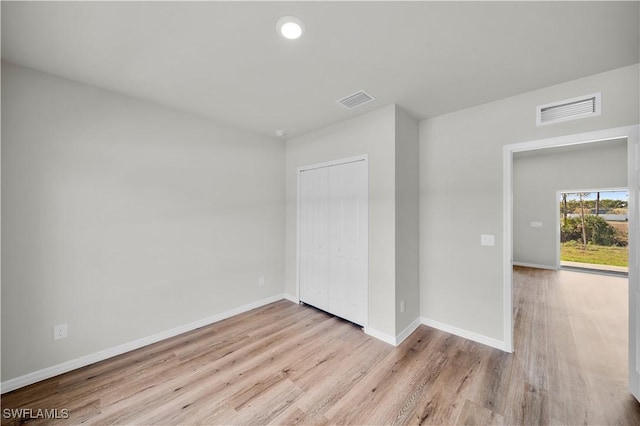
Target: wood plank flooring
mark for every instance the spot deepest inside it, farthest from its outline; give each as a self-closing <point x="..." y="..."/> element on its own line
<point x="291" y="364"/>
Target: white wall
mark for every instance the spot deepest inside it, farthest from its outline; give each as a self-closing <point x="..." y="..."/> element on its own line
<point x="373" y="134"/>
<point x="389" y="136"/>
<point x="407" y="220"/>
<point x="123" y="219"/>
<point x="461" y="173"/>
<point x="538" y="175"/>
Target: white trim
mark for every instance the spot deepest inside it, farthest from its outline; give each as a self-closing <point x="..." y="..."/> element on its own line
<point x="363" y="157"/>
<point x="83" y="361"/>
<point x="469" y="335"/>
<point x="605" y="189"/>
<point x="629" y="132"/>
<point x="298" y="234"/>
<point x="507" y="247"/>
<point x="558" y="230"/>
<point x="291" y="298"/>
<point x="568" y="140"/>
<point x="407" y="331"/>
<point x="633" y="169"/>
<point x="536" y="265"/>
<point x="387" y="338"/>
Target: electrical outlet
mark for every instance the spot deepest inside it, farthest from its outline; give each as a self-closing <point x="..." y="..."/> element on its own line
<point x="261" y="281"/>
<point x="60" y="332"/>
<point x="402" y="305"/>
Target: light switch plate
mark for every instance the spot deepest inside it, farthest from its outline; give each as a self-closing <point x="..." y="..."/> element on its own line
<point x="487" y="240"/>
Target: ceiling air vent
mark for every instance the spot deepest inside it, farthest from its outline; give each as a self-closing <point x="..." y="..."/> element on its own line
<point x="356" y="99"/>
<point x="570" y="109"/>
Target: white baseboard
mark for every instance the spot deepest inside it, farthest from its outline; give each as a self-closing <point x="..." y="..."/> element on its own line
<point x="469" y="335"/>
<point x="535" y="265"/>
<point x="291" y="298"/>
<point x="387" y="338"/>
<point x="46" y="373"/>
<point x="393" y="340"/>
<point x="407" y="331"/>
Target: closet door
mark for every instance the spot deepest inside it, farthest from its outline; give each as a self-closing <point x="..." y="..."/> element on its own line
<point x="348" y="211"/>
<point x="333" y="245"/>
<point x="314" y="237"/>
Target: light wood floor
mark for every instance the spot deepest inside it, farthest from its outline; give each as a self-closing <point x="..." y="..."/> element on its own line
<point x="291" y="364"/>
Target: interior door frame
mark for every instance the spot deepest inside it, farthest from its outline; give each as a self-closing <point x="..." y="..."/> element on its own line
<point x="628" y="132"/>
<point x="354" y="159"/>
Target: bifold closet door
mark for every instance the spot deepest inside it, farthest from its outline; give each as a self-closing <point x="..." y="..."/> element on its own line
<point x="333" y="239"/>
<point x="347" y="241"/>
<point x="314" y="237"/>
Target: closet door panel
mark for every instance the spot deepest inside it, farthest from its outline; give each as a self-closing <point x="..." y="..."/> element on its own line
<point x="314" y="237"/>
<point x="347" y="241"/>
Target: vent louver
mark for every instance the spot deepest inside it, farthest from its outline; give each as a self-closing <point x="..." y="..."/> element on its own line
<point x="570" y="109"/>
<point x="355" y="99"/>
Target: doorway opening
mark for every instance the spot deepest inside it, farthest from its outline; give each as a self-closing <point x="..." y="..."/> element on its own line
<point x="632" y="135"/>
<point x="594" y="230"/>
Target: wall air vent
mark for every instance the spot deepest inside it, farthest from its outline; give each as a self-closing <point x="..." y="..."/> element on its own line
<point x="570" y="109"/>
<point x="356" y="99"/>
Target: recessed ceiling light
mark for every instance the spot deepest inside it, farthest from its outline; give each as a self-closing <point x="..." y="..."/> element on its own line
<point x="290" y="27"/>
<point x="280" y="133"/>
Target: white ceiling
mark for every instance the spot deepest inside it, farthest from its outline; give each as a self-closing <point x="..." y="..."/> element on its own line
<point x="225" y="60"/>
